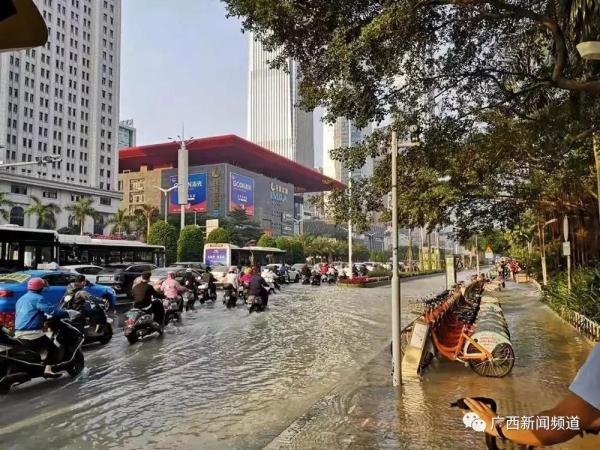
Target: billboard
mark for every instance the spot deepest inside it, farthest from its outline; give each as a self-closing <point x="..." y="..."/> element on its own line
<point x="215" y="256"/>
<point x="241" y="193"/>
<point x="196" y="193"/>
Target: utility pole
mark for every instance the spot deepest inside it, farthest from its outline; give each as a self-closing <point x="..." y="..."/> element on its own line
<point x="477" y="255"/>
<point x="182" y="173"/>
<point x="396" y="306"/>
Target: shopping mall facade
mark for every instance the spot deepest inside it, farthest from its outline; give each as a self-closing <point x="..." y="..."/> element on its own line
<point x="224" y="173"/>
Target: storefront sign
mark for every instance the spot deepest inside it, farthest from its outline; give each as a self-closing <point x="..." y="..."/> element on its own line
<point x="196" y="194"/>
<point x="279" y="193"/>
<point x="241" y="193"/>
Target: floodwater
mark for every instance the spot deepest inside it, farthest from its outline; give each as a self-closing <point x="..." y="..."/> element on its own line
<point x="221" y="379"/>
<point x="311" y="372"/>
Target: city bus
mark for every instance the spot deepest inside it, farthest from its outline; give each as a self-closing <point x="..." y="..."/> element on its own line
<point x="232" y="255"/>
<point x="27" y="248"/>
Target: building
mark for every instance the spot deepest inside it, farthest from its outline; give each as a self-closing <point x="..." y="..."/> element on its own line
<point x="274" y="122"/>
<point x="126" y="134"/>
<point x="225" y="173"/>
<point x="340" y="134"/>
<point x="63" y="99"/>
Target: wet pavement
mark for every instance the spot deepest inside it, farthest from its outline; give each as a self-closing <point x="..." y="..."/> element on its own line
<point x="311" y="372"/>
<point x="221" y="379"/>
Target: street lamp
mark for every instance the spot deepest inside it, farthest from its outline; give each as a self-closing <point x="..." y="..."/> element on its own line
<point x="591" y="50"/>
<point x="396" y="307"/>
<point x="166" y="194"/>
<point x="182" y="172"/>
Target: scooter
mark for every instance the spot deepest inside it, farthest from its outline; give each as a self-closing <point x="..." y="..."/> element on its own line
<point x="189" y="298"/>
<point x="305" y="279"/>
<point x="331" y="278"/>
<point x="255" y="304"/>
<point x="19" y="363"/>
<point x="230" y="296"/>
<point x="92" y="320"/>
<point x="173" y="308"/>
<point x="243" y="292"/>
<point x="204" y="294"/>
<point x="140" y="323"/>
<point x="315" y="279"/>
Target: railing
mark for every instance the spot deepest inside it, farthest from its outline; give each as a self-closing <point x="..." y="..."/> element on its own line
<point x="585" y="326"/>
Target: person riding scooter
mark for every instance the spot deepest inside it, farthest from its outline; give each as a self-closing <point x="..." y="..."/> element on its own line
<point x="29" y="322"/>
<point x="258" y="287"/>
<point x="143" y="296"/>
<point x="172" y="288"/>
<point x="210" y="280"/>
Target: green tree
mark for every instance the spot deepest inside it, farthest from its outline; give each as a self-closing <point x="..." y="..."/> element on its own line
<point x="294" y="250"/>
<point x="217" y="236"/>
<point x="360" y="252"/>
<point x="4" y="202"/>
<point x="81" y="210"/>
<point x="146" y="213"/>
<point x="266" y="241"/>
<point x="380" y="256"/>
<point x="45" y="213"/>
<point x="190" y="244"/>
<point x="161" y="233"/>
<point x="241" y="227"/>
<point x="121" y="222"/>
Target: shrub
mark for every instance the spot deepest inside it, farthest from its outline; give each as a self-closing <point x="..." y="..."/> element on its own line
<point x="218" y="236"/>
<point x="584" y="297"/>
<point x="266" y="241"/>
<point x="380" y="272"/>
<point x="190" y="244"/>
<point x="162" y="233"/>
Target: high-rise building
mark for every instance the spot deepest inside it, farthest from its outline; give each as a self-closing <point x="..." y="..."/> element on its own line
<point x="341" y="134"/>
<point x="126" y="134"/>
<point x="273" y="120"/>
<point x="63" y="99"/>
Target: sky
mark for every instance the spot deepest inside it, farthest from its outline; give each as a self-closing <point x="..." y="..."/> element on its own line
<point x="184" y="61"/>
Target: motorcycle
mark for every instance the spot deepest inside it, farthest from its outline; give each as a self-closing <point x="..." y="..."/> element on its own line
<point x="20" y="363"/>
<point x="140" y="323"/>
<point x="331" y="278"/>
<point x="189" y="298"/>
<point x="305" y="279"/>
<point x="315" y="279"/>
<point x="243" y="292"/>
<point x="173" y="308"/>
<point x="204" y="294"/>
<point x="92" y="320"/>
<point x="255" y="304"/>
<point x="230" y="296"/>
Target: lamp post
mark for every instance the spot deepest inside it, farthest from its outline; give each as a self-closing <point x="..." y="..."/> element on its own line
<point x="350" y="227"/>
<point x="166" y="194"/>
<point x="39" y="161"/>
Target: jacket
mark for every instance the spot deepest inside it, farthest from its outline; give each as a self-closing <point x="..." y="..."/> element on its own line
<point x="30" y="310"/>
<point x="255" y="285"/>
<point x="171" y="288"/>
<point x="142" y="294"/>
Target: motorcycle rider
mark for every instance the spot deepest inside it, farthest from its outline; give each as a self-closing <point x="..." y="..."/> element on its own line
<point x="29" y="322"/>
<point x="171" y="287"/>
<point x="210" y="280"/>
<point x="258" y="287"/>
<point x="231" y="279"/>
<point x="143" y="296"/>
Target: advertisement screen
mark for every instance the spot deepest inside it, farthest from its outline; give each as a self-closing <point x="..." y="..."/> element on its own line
<point x="242" y="193"/>
<point x="196" y="193"/>
<point x="215" y="257"/>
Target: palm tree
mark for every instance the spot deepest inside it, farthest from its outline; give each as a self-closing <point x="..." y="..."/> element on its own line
<point x="148" y="212"/>
<point x="4" y="202"/>
<point x="46" y="214"/>
<point x="121" y="222"/>
<point x="82" y="209"/>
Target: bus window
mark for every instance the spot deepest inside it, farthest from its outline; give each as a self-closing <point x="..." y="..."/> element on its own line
<point x="115" y="257"/>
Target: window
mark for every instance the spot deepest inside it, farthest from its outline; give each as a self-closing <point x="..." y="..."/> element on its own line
<point x="18" y="189"/>
<point x="105" y="201"/>
<point x="17" y="216"/>
<point x="50" y="194"/>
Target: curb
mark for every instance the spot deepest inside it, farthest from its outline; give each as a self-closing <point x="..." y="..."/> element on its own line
<point x="537" y="285"/>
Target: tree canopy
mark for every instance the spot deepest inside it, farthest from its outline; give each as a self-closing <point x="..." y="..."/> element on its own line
<point x="218" y="236"/>
<point x="190" y="243"/>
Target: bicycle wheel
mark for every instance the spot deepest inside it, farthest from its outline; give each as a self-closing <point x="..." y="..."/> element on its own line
<point x="500" y="365"/>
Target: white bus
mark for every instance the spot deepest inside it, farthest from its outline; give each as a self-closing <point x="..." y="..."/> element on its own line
<point x="232" y="255"/>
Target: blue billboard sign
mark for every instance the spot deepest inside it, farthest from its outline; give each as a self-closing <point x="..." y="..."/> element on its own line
<point x="241" y="194"/>
<point x="196" y="193"/>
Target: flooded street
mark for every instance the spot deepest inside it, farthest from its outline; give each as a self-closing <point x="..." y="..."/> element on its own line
<point x="221" y="379"/>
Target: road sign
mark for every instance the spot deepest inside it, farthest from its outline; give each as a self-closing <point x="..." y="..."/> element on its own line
<point x="566" y="248"/>
<point x="211" y="224"/>
<point x="566" y="228"/>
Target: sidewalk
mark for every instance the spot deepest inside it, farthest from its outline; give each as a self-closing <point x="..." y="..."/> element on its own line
<point x="366" y="412"/>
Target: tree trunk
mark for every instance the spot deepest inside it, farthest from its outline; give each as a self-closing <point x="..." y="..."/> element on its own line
<point x="410" y="255"/>
<point x="81" y="224"/>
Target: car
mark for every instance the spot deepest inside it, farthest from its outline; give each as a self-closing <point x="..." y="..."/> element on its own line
<point x="88" y="270"/>
<point x="293" y="275"/>
<point x="199" y="266"/>
<point x="14" y="285"/>
<point x="120" y="276"/>
<point x="160" y="274"/>
<point x="219" y="273"/>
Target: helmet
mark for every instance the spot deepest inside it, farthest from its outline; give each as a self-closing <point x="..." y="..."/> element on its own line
<point x="248" y="270"/>
<point x="36" y="284"/>
<point x="171" y="274"/>
<point x="232" y="269"/>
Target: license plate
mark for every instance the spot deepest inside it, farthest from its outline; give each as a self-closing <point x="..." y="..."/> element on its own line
<point x="131" y="314"/>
